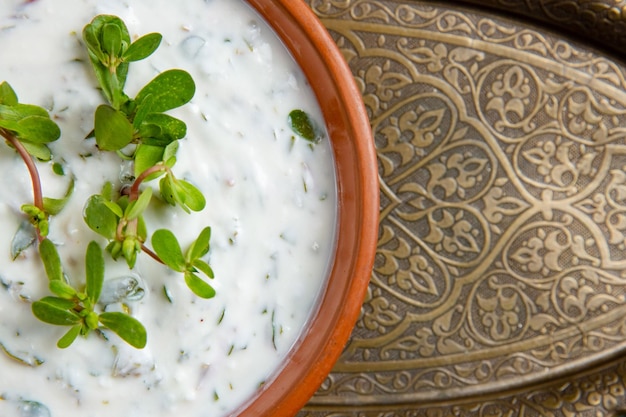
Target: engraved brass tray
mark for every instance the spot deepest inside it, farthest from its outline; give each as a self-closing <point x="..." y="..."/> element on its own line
<point x="500" y="277"/>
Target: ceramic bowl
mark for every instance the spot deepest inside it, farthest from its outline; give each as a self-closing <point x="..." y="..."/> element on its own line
<point x="314" y="355"/>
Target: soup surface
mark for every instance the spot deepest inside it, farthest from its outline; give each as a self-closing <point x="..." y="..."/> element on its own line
<point x="271" y="205"/>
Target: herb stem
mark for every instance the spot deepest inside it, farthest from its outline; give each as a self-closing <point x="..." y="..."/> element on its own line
<point x="32" y="170"/>
<point x="134" y="189"/>
<point x="150" y="253"/>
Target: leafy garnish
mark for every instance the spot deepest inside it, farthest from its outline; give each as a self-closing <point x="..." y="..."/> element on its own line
<point x="304" y="126"/>
<point x="71" y="307"/>
<point x="139" y="130"/>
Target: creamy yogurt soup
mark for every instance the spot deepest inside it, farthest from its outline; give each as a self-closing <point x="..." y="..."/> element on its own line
<point x="270" y="203"/>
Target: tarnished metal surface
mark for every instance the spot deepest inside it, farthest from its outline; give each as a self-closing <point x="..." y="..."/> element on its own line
<point x="499" y="284"/>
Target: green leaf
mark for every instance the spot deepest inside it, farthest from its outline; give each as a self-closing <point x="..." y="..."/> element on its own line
<point x="53" y="206"/>
<point x="112" y="128"/>
<point x="94" y="271"/>
<point x="107" y="192"/>
<point x="69" y="337"/>
<point x="170" y="152"/>
<point x="167" y="247"/>
<point x="143" y="47"/>
<point x="93" y="44"/>
<point x="203" y="267"/>
<point x="126" y="327"/>
<point x="99" y="217"/>
<point x="146" y="157"/>
<point x="38" y="150"/>
<point x="33" y="129"/>
<point x="7" y="94"/>
<point x="19" y="111"/>
<point x="303" y="125"/>
<point x="199" y="287"/>
<point x="168" y="190"/>
<point x="114" y="207"/>
<point x="57" y="168"/>
<point x="193" y="197"/>
<point x="112" y="39"/>
<point x="57" y="311"/>
<point x="51" y="260"/>
<point x="24" y="238"/>
<point x="200" y="246"/>
<point x="170" y="89"/>
<point x="137" y="207"/>
<point x="164" y="127"/>
<point x="62" y="289"/>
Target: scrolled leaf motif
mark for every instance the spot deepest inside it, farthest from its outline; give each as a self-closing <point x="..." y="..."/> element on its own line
<point x="452" y="233"/>
<point x="379" y="315"/>
<point x="418" y="278"/>
<point x="386" y="82"/>
<point x="510" y="97"/>
<point x="423" y="125"/>
<point x="432" y="57"/>
<point x="455" y="174"/>
<point x="497" y="205"/>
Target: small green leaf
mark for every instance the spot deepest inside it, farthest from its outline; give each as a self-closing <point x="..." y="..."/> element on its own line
<point x="167" y="247"/>
<point x="193" y="197"/>
<point x="170" y="151"/>
<point x="33" y="129"/>
<point x="199" y="287"/>
<point x="200" y="246"/>
<point x="112" y="128"/>
<point x="53" y="206"/>
<point x="141" y="110"/>
<point x="107" y="191"/>
<point x="99" y="217"/>
<point x="57" y="168"/>
<point x="146" y="157"/>
<point x="143" y="47"/>
<point x="112" y="39"/>
<point x="168" y="190"/>
<point x="7" y="94"/>
<point x="126" y="327"/>
<point x="203" y="267"/>
<point x="130" y="249"/>
<point x="114" y="207"/>
<point x="94" y="271"/>
<point x="169" y="128"/>
<point x="20" y="111"/>
<point x="38" y="150"/>
<point x="91" y="36"/>
<point x="142" y="230"/>
<point x="69" y="337"/>
<point x="137" y="207"/>
<point x="303" y="125"/>
<point x="51" y="260"/>
<point x="24" y="238"/>
<point x="170" y="89"/>
<point x="57" y="311"/>
<point x="62" y="289"/>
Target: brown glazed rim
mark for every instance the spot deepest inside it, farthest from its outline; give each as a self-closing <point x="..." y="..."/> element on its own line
<point x="313" y="357"/>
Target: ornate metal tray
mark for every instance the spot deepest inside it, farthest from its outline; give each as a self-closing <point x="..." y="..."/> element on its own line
<point x="499" y="285"/>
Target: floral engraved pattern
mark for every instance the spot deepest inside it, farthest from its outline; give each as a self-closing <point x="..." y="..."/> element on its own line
<point x="501" y="257"/>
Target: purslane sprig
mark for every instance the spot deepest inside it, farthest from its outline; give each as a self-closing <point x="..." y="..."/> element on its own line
<point x="137" y="129"/>
<point x="77" y="309"/>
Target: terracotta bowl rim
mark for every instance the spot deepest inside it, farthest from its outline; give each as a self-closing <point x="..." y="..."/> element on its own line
<point x="314" y="355"/>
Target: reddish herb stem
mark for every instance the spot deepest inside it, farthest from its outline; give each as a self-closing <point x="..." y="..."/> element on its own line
<point x="133" y="196"/>
<point x="30" y="164"/>
<point x="32" y="171"/>
<point x="150" y="253"/>
<point x="134" y="190"/>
